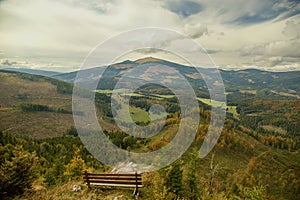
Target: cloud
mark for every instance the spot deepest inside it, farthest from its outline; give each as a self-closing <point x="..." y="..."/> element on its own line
<point x="274" y="53"/>
<point x="13" y="63"/>
<point x="245" y="13"/>
<point x="195" y="30"/>
<point x="292" y="29"/>
<point x="184" y="8"/>
<point x="212" y="51"/>
<point x="6" y="62"/>
<point x="64" y="31"/>
<point x="148" y="51"/>
<point x="267" y="10"/>
<point x="101" y="6"/>
<point x="277" y="68"/>
<point x="273" y="61"/>
<point x="288" y="8"/>
<point x="289" y="47"/>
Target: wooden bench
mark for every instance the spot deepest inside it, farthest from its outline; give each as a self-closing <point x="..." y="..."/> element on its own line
<point x="116" y="180"/>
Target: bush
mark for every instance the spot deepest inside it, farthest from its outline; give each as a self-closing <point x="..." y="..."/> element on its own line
<point x="255" y="193"/>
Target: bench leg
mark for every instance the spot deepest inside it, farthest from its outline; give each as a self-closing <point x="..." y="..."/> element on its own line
<point x="136" y="193"/>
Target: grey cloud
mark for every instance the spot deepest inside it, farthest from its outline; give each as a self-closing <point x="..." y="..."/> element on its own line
<point x="285" y="48"/>
<point x="8" y="63"/>
<point x="290" y="8"/>
<point x="212" y="51"/>
<point x="292" y="29"/>
<point x="149" y="50"/>
<point x="261" y="11"/>
<point x="101" y="6"/>
<point x="195" y="30"/>
<point x="184" y="8"/>
<point x="273" y="61"/>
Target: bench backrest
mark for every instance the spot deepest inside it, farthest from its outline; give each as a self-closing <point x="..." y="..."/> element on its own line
<point x="121" y="180"/>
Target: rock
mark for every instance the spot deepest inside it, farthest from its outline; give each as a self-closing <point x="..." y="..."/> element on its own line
<point x="76" y="188"/>
<point x="121" y="197"/>
<point x="131" y="167"/>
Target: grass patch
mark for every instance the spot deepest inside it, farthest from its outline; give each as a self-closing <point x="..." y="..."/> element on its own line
<point x="232" y="110"/>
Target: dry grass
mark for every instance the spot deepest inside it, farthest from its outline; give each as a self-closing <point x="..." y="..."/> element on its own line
<point x="65" y="192"/>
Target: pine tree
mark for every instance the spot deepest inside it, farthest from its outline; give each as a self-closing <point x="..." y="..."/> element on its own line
<point x="192" y="176"/>
<point x="174" y="179"/>
<point x="16" y="170"/>
<point x="56" y="174"/>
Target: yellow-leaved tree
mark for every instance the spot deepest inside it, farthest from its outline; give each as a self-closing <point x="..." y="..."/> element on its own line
<point x="76" y="166"/>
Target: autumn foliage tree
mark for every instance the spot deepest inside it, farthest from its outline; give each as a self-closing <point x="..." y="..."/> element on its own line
<point x="76" y="166"/>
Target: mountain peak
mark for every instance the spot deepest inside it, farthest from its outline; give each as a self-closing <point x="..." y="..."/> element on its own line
<point x="148" y="59"/>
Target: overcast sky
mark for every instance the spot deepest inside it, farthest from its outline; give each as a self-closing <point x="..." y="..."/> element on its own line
<point x="58" y="34"/>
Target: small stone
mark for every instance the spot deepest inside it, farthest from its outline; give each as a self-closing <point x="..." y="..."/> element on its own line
<point x="76" y="188"/>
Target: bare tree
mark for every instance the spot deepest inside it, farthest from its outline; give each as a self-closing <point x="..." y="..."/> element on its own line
<point x="213" y="172"/>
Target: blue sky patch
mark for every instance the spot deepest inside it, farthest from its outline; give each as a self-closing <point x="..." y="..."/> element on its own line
<point x="184" y="8"/>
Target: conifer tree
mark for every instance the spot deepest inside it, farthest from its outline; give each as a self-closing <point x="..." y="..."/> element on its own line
<point x="174" y="179"/>
<point x="192" y="176"/>
<point x="56" y="174"/>
<point x="16" y="170"/>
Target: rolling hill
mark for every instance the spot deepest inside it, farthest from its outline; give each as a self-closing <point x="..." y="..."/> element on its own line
<point x="19" y="88"/>
<point x="244" y="88"/>
<point x="32" y="71"/>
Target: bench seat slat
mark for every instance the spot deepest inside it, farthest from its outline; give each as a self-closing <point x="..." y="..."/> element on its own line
<point x="114" y="178"/>
<point x="115" y="185"/>
<point x="115" y="181"/>
<point x="103" y="174"/>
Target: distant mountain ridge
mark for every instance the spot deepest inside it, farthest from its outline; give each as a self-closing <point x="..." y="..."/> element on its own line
<point x="33" y="71"/>
<point x="248" y="83"/>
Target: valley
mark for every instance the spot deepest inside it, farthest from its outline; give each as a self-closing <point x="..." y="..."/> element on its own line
<point x="257" y="152"/>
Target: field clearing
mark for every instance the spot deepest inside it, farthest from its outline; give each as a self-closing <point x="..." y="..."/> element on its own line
<point x="275" y="129"/>
<point x="232" y="110"/>
<point x="36" y="125"/>
<point x="248" y="91"/>
<point x="137" y="114"/>
<point x="211" y="102"/>
<point x="286" y="94"/>
<point x="121" y="90"/>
